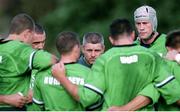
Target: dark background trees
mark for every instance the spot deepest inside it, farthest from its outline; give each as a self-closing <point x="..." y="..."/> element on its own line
<point x="83" y="16"/>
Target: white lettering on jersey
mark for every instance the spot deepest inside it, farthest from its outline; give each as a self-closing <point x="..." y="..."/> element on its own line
<point x="0" y="59"/>
<point x="52" y="81"/>
<point x="128" y="59"/>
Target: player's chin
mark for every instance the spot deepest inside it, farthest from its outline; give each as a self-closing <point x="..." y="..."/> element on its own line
<point x="92" y="62"/>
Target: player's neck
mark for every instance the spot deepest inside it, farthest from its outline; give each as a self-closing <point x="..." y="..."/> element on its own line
<point x="126" y="41"/>
<point x="68" y="58"/>
<point x="150" y="40"/>
<point x="13" y="37"/>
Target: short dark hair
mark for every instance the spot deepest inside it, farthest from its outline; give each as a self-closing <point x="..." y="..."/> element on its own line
<point x="66" y="41"/>
<point x="93" y="37"/>
<point x="173" y="39"/>
<point x="120" y="26"/>
<point x="39" y="29"/>
<point x="20" y="23"/>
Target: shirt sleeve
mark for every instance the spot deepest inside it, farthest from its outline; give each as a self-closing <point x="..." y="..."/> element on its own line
<point x="92" y="91"/>
<point x="151" y="92"/>
<point x="40" y="60"/>
<point x="165" y="82"/>
<point x="176" y="71"/>
<point x="37" y="97"/>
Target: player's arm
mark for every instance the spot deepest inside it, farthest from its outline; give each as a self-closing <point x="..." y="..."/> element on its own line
<point x="17" y="100"/>
<point x="135" y="104"/>
<point x="147" y="96"/>
<point x="58" y="71"/>
<point x="173" y="55"/>
<point x="41" y="59"/>
<point x="176" y="71"/>
<point x="165" y="82"/>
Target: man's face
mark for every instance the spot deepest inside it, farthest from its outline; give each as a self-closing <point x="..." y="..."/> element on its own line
<point x="38" y="41"/>
<point x="92" y="51"/>
<point x="144" y="28"/>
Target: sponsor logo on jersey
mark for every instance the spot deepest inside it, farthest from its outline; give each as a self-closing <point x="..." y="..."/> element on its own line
<point x="128" y="59"/>
<point x="52" y="81"/>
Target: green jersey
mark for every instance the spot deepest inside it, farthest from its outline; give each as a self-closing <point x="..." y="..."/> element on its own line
<point x="16" y="60"/>
<point x="49" y="93"/>
<point x="30" y="106"/>
<point x="33" y="73"/>
<point x="162" y="106"/>
<point x="123" y="72"/>
<point x="158" y="45"/>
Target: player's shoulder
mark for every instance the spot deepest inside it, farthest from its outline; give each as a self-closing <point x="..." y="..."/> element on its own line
<point x="77" y="66"/>
<point x="145" y="51"/>
<point x="43" y="73"/>
<point x="163" y="35"/>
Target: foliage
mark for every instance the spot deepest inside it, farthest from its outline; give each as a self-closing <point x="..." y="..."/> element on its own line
<point x="84" y="16"/>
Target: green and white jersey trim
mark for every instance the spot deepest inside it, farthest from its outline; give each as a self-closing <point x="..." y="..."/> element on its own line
<point x="167" y="80"/>
<point x="93" y="88"/>
<point x="37" y="101"/>
<point x="31" y="60"/>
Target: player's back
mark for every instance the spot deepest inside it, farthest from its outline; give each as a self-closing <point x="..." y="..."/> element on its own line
<point x="14" y="59"/>
<point x="128" y="69"/>
<point x="53" y="95"/>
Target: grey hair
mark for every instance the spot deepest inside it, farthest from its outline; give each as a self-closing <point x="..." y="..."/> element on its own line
<point x="93" y="37"/>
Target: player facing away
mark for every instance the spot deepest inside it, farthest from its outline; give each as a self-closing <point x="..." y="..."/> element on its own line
<point x="48" y="92"/>
<point x="125" y="72"/>
<point x="17" y="58"/>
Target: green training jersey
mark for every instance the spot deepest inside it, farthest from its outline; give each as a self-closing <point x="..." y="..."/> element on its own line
<point x="158" y="45"/>
<point x="162" y="106"/>
<point x="33" y="73"/>
<point x="30" y="106"/>
<point x="16" y="60"/>
<point x="123" y="72"/>
<point x="48" y="92"/>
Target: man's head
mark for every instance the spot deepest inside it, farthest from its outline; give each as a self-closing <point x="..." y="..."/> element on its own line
<point x="145" y="21"/>
<point x="22" y="25"/>
<point x="39" y="37"/>
<point x="121" y="29"/>
<point x="92" y="46"/>
<point x="67" y="43"/>
<point x="173" y="40"/>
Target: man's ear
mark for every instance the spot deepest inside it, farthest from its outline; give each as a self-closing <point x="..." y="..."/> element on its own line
<point x="103" y="48"/>
<point x="133" y="35"/>
<point x="111" y="40"/>
<point x="26" y="33"/>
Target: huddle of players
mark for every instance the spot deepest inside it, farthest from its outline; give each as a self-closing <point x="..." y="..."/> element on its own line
<point x="126" y="77"/>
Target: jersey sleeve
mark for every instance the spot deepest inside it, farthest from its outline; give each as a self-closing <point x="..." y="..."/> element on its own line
<point x="38" y="103"/>
<point x="176" y="71"/>
<point x="40" y="60"/>
<point x="91" y="94"/>
<point x="32" y="80"/>
<point x="165" y="82"/>
<point x="151" y="92"/>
